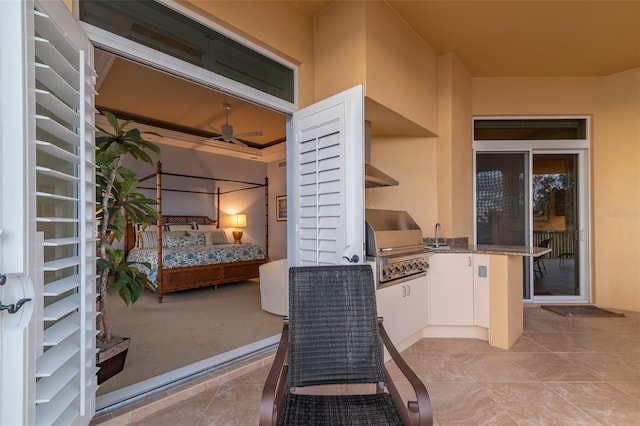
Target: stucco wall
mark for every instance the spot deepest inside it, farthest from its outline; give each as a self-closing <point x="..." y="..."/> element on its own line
<point x="367" y="43"/>
<point x="613" y="102"/>
<point x="402" y="70"/>
<point x="412" y="161"/>
<point x="339" y="48"/>
<point x="616" y="193"/>
<point x="455" y="157"/>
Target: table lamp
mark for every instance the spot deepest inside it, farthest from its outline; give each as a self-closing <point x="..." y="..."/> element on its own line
<point x="238" y="221"/>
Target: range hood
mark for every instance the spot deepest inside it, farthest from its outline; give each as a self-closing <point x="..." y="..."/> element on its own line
<point x="373" y="177"/>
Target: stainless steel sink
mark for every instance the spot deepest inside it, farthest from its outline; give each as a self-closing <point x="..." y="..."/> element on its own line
<point x="439" y="247"/>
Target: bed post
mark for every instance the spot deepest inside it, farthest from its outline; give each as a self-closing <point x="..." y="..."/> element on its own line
<point x="159" y="227"/>
<point x="266" y="216"/>
<point x="218" y="208"/>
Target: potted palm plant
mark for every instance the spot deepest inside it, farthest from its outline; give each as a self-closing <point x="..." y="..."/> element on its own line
<point x="116" y="202"/>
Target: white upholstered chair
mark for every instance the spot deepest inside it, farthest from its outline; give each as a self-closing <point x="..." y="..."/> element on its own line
<point x="274" y="287"/>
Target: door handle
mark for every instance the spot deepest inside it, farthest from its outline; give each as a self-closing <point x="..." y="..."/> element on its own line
<point x="353" y="259"/>
<point x="16" y="288"/>
<point x="13" y="308"/>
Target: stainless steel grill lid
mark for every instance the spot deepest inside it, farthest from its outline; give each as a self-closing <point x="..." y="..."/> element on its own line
<point x="390" y="232"/>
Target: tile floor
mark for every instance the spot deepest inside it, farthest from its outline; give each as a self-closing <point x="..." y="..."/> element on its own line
<point x="562" y="371"/>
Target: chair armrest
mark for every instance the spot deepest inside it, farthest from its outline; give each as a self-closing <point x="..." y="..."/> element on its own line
<point x="420" y="411"/>
<point x="274" y="386"/>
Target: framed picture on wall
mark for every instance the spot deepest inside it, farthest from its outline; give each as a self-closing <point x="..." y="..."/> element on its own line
<point x="281" y="208"/>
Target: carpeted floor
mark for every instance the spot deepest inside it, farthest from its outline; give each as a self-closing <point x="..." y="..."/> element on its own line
<point x="187" y="327"/>
<point x="581" y="311"/>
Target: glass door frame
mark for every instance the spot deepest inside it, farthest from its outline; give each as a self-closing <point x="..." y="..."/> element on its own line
<point x="579" y="147"/>
<point x="582" y="228"/>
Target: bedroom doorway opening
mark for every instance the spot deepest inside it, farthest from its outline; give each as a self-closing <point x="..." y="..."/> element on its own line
<point x="260" y="158"/>
<point x="220" y="324"/>
<point x="194" y="329"/>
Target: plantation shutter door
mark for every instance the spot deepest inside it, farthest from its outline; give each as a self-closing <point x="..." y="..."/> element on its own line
<point x="65" y="214"/>
<point x="326" y="182"/>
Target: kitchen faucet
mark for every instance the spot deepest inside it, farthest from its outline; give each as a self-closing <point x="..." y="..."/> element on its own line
<point x="437" y="244"/>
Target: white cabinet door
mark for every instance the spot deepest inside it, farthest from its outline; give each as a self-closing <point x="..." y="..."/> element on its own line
<point x="451" y="289"/>
<point x="481" y="281"/>
<point x="390" y="302"/>
<point x="417" y="304"/>
<point x="404" y="308"/>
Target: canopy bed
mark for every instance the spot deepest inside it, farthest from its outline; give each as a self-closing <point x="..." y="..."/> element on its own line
<point x="187" y="252"/>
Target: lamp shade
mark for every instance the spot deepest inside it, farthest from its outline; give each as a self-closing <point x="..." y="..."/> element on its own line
<point x="239" y="220"/>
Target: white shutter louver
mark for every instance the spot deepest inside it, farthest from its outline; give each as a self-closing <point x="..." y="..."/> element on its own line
<point x="65" y="208"/>
<point x="320" y="202"/>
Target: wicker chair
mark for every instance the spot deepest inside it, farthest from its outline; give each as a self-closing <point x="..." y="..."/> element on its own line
<point x="538" y="262"/>
<point x="332" y="338"/>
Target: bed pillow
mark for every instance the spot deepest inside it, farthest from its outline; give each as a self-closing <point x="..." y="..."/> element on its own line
<point x="149" y="239"/>
<point x="184" y="240"/>
<point x="139" y="227"/>
<point x="204" y="234"/>
<point x="217" y="236"/>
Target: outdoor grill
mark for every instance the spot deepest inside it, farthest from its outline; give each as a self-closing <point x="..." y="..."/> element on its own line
<point x="394" y="242"/>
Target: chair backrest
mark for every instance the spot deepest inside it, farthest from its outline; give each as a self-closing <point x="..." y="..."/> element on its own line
<point x="545" y="243"/>
<point x="333" y="327"/>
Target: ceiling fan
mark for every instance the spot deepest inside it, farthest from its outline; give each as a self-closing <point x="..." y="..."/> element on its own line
<point x="226" y="134"/>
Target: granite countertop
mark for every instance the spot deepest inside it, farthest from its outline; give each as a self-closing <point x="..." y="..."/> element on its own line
<point x="491" y="249"/>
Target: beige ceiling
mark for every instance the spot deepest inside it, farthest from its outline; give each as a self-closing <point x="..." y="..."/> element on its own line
<point x="534" y="38"/>
<point x="508" y="38"/>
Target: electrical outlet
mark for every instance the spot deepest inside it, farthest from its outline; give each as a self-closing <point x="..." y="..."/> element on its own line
<point x="482" y="271"/>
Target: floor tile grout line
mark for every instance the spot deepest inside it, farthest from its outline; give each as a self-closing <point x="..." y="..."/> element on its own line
<point x="500" y="405"/>
<point x="572" y="404"/>
<point x="204" y="412"/>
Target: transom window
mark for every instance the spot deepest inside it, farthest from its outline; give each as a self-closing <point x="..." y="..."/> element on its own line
<point x="165" y="30"/>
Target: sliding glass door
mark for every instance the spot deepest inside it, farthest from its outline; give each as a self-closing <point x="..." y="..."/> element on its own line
<point x="531" y="189"/>
<point x="502" y="207"/>
<point x="556" y="219"/>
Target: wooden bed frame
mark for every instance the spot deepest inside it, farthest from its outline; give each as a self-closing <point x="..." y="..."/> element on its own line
<point x="177" y="279"/>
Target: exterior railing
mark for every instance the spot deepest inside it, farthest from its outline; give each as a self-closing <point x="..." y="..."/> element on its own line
<point x="561" y="244"/>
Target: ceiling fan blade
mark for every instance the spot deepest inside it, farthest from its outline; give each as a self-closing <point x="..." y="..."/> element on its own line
<point x="245" y="134"/>
<point x="239" y="142"/>
<point x="214" y="129"/>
